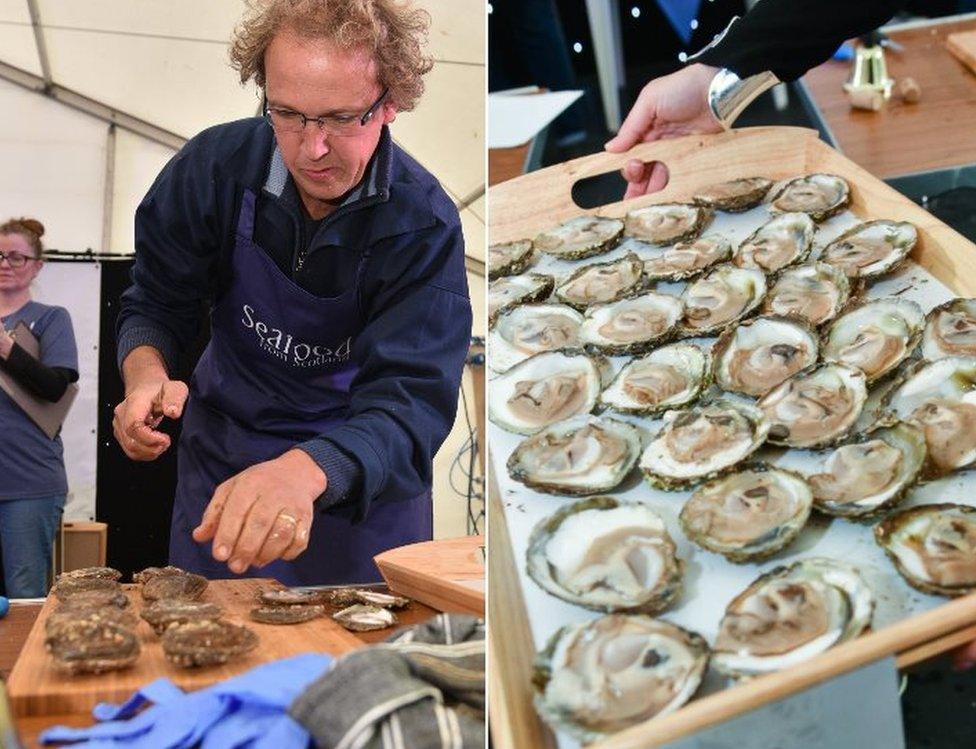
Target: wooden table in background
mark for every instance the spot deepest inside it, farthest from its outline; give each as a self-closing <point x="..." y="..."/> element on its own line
<point x="939" y="131"/>
<point x="507" y="163"/>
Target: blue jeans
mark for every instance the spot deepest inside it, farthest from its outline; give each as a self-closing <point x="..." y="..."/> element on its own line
<point x="27" y="528"/>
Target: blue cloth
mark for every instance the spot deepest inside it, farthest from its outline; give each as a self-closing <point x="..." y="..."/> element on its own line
<point x="31" y="464"/>
<point x="245" y="712"/>
<point x="27" y="530"/>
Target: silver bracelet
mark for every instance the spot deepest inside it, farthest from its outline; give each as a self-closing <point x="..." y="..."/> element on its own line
<point x="728" y="94"/>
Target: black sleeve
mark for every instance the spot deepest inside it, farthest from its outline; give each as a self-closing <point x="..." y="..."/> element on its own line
<point x="48" y="383"/>
<point x="789" y="37"/>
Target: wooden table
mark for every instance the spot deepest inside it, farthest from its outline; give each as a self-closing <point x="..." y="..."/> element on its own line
<point x="15" y="627"/>
<point x="939" y="131"/>
<point x="507" y="163"/>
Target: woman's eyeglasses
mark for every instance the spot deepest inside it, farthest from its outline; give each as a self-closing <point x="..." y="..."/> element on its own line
<point x="15" y="259"/>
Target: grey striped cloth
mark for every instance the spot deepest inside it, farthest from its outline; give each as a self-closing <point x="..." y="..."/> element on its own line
<point x="424" y="688"/>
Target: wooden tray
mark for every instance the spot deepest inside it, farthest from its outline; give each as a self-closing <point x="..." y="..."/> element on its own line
<point x="36" y="688"/>
<point x="524" y="206"/>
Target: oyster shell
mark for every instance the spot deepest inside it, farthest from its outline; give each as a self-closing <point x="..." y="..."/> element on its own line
<point x="606" y="555"/>
<point x="582" y="455"/>
<point x="291" y="597"/>
<point x="147" y="574"/>
<point x="66" y="587"/>
<point x="65" y="615"/>
<point x="383" y="600"/>
<point x="950" y="330"/>
<point x="207" y="642"/>
<point x="531" y="329"/>
<point x="580" y="237"/>
<point x="598" y="283"/>
<point x="509" y="259"/>
<point x="361" y="618"/>
<point x="164" y="613"/>
<point x="668" y="377"/>
<point x="632" y="325"/>
<point x="287" y="614"/>
<point x="512" y="291"/>
<point x="104" y="573"/>
<point x="875" y="337"/>
<point x="791" y="614"/>
<point x="757" y="355"/>
<point x="98" y="598"/>
<point x="783" y="240"/>
<point x="871" y="249"/>
<point x="92" y="646"/>
<point x="183" y="586"/>
<point x="544" y="389"/>
<point x="685" y="259"/>
<point x="702" y="443"/>
<point x="666" y="223"/>
<point x="815" y="292"/>
<point x="723" y="296"/>
<point x="932" y="546"/>
<point x="748" y="515"/>
<point x="735" y="195"/>
<point x="870" y="474"/>
<point x="815" y="407"/>
<point x="819" y="195"/>
<point x="596" y="678"/>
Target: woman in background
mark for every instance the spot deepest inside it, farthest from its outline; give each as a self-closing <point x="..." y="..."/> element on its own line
<point x="33" y="484"/>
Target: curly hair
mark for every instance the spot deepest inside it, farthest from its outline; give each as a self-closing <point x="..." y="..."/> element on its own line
<point x="394" y="32"/>
<point x="29" y="228"/>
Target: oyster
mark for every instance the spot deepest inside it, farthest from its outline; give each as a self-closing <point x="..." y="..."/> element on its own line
<point x="783" y="240"/>
<point x="184" y="586"/>
<point x="104" y="573"/>
<point x="685" y="259"/>
<point x="606" y="555"/>
<point x="92" y="646"/>
<point x="818" y="195"/>
<point x="734" y="195"/>
<point x="933" y="547"/>
<point x="287" y="614"/>
<point x="67" y="615"/>
<point x="362" y="618"/>
<point x="207" y="642"/>
<point x="66" y="587"/>
<point x="871" y="249"/>
<point x="544" y="389"/>
<point x="601" y="282"/>
<point x="791" y="614"/>
<point x="291" y="597"/>
<point x="950" y="330"/>
<point x="509" y="259"/>
<point x="512" y="291"/>
<point x="757" y="355"/>
<point x="582" y="455"/>
<point x="580" y="237"/>
<point x="147" y="574"/>
<point x="815" y="407"/>
<point x="631" y="326"/>
<point x="870" y="474"/>
<point x="875" y="337"/>
<point x="98" y="598"/>
<point x="666" y="223"/>
<point x="530" y="329"/>
<point x="383" y="600"/>
<point x="723" y="296"/>
<point x="164" y="613"/>
<point x="815" y="292"/>
<point x="669" y="377"/>
<point x="748" y="515"/>
<point x="702" y="443"/>
<point x="599" y="677"/>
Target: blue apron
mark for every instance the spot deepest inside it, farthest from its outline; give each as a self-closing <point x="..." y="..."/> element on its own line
<point x="277" y="372"/>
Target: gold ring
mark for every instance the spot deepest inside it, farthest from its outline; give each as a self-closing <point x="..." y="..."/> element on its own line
<point x="290" y="518"/>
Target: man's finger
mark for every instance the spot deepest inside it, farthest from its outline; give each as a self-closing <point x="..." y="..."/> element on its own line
<point x="300" y="541"/>
<point x="257" y="526"/>
<point x="658" y="179"/>
<point x="283" y="531"/>
<point x="172" y="398"/>
<point x="638" y="122"/>
<point x="207" y="527"/>
<point x="231" y="522"/>
<point x="137" y="449"/>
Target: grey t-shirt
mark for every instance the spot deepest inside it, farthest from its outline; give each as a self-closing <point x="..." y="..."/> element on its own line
<point x="31" y="464"/>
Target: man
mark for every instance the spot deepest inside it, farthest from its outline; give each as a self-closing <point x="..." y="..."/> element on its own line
<point x="334" y="269"/>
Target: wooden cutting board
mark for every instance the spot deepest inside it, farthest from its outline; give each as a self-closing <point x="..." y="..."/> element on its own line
<point x="963" y="46"/>
<point x="36" y="688"/>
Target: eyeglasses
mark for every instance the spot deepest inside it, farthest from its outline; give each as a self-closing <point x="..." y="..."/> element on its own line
<point x="15" y="259"/>
<point x="287" y="121"/>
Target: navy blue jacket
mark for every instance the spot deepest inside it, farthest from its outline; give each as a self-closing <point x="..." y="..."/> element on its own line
<point x="414" y="293"/>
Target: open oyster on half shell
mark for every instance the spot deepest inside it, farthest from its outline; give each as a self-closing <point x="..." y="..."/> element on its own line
<point x="871" y="249"/>
<point x="666" y="223"/>
<point x="600" y="677"/>
<point x="702" y="443"/>
<point x="580" y="237"/>
<point x="724" y="295"/>
<point x="815" y="407"/>
<point x="582" y="455"/>
<point x="818" y="195"/>
<point x="734" y="195"/>
<point x="668" y="377"/>
<point x="531" y="329"/>
<point x="871" y="474"/>
<point x="783" y="240"/>
<point x="511" y="291"/>
<point x="546" y="388"/>
<point x="598" y="283"/>
<point x="791" y="614"/>
<point x="748" y="515"/>
<point x="932" y="546"/>
<point x="606" y="555"/>
<point x="815" y="292"/>
<point x="757" y="355"/>
<point x="631" y="325"/>
<point x="876" y="336"/>
<point x="509" y="259"/>
<point x="685" y="259"/>
<point x="950" y="330"/>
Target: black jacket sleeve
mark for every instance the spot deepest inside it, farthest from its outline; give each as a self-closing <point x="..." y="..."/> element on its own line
<point x="47" y="383"/>
<point x="789" y="37"/>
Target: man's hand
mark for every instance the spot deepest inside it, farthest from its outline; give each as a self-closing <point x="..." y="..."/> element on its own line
<point x="137" y="417"/>
<point x="264" y="512"/>
<point x="667" y="107"/>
